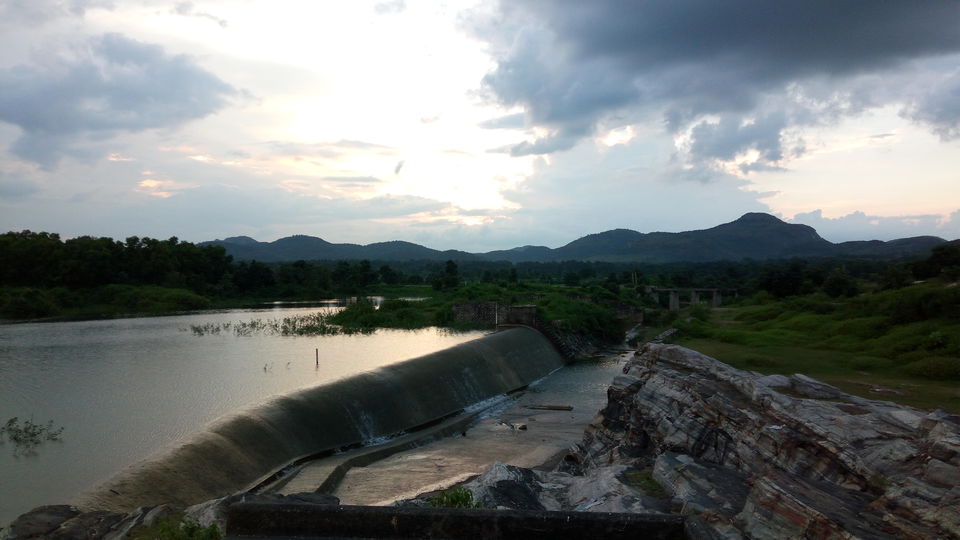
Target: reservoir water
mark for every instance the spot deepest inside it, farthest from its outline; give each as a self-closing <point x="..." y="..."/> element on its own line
<point x="124" y="388"/>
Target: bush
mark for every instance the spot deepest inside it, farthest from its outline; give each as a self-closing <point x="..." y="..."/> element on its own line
<point x="27" y="304"/>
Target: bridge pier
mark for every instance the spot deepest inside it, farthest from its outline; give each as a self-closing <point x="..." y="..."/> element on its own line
<point x="674" y="300"/>
<point x="717" y="298"/>
<point x="694" y="297"/>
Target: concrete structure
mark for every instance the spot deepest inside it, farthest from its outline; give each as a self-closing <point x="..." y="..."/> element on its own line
<point x="254" y="443"/>
<point x="286" y="520"/>
<point x="693" y="293"/>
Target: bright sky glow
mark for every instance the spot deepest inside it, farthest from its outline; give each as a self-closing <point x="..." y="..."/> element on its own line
<point x="460" y="124"/>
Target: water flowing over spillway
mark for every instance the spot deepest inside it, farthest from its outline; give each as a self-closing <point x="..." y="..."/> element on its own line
<point x="239" y="449"/>
<point x="123" y="389"/>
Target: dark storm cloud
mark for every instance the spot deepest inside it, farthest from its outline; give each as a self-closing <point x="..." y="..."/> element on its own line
<point x="571" y="64"/>
<point x="112" y="84"/>
<point x="727" y="138"/>
<point x="939" y="106"/>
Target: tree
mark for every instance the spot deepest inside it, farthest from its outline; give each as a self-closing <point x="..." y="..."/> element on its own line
<point x="389" y="275"/>
<point x="448" y="279"/>
<point x="839" y="283"/>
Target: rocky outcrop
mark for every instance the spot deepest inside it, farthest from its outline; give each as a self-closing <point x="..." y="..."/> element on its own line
<point x="757" y="456"/>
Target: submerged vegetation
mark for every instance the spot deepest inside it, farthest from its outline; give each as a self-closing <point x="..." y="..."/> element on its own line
<point x="27" y="435"/>
<point x="313" y="324"/>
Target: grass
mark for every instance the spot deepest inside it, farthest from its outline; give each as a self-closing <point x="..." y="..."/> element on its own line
<point x="865" y="345"/>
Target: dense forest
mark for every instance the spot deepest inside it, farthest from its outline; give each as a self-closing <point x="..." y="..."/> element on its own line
<point x="42" y="275"/>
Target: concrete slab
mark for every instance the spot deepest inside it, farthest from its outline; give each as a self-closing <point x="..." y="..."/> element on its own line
<point x="514" y="434"/>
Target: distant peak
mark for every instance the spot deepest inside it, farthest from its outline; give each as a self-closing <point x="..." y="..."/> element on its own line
<point x="240" y="240"/>
<point x="758" y="217"/>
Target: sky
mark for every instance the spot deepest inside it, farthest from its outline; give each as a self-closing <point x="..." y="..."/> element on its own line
<point x="477" y="125"/>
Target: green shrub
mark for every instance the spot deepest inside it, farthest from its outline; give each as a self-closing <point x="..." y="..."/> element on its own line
<point x="458" y="497"/>
<point x="27" y="303"/>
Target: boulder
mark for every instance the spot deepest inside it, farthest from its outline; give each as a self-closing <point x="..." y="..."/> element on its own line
<point x="750" y="455"/>
<point x="778" y="456"/>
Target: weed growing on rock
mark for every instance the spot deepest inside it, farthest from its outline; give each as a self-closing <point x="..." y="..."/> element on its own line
<point x="458" y="497"/>
<point x="643" y="479"/>
<point x="175" y="529"/>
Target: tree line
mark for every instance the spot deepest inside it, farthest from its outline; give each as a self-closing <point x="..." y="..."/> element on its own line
<point x="44" y="260"/>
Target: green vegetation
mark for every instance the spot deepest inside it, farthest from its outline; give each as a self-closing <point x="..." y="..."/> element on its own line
<point x="897" y="344"/>
<point x="861" y="324"/>
<point x="26" y="435"/>
<point x="314" y="324"/>
<point x="177" y="528"/>
<point x="458" y="497"/>
<point x="643" y="479"/>
<point x="591" y="312"/>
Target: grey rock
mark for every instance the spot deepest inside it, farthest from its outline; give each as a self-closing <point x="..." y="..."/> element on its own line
<point x="88" y="525"/>
<point x="777" y="456"/>
<point x="39" y="522"/>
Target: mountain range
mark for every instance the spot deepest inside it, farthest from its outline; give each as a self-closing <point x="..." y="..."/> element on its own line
<point x="753" y="235"/>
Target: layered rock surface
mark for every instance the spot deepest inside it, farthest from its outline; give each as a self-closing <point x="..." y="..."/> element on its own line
<point x="761" y="456"/>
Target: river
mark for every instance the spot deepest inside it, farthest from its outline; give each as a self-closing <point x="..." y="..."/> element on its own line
<point x="124" y="388"/>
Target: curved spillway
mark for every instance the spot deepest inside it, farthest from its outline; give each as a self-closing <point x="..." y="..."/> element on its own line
<point x="238" y="449"/>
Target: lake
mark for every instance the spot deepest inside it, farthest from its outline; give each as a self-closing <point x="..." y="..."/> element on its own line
<point x="124" y="388"/>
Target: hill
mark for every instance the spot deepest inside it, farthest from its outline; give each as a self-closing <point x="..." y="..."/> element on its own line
<point x="753" y="235"/>
<point x="311" y="248"/>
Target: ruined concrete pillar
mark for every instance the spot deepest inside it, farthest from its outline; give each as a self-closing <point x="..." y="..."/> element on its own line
<point x="694" y="297"/>
<point x="674" y="300"/>
<point x="717" y="298"/>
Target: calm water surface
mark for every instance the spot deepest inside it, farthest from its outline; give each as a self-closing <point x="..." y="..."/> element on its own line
<point x="124" y="388"/>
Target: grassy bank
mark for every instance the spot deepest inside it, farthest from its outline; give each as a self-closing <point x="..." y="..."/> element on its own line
<point x="61" y="303"/>
<point x="589" y="311"/>
<point x="901" y="345"/>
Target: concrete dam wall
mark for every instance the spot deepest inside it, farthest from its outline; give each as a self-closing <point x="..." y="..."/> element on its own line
<point x="239" y="449"/>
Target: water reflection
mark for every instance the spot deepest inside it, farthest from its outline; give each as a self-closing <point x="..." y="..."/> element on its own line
<point x="123" y="388"/>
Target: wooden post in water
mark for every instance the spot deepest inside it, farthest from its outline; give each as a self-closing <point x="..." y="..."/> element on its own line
<point x="317" y="353"/>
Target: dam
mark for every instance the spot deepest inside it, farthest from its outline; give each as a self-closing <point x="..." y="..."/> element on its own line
<point x="126" y="389"/>
<point x="243" y="447"/>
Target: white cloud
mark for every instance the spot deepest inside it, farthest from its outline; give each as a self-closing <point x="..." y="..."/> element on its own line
<point x="861" y="226"/>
